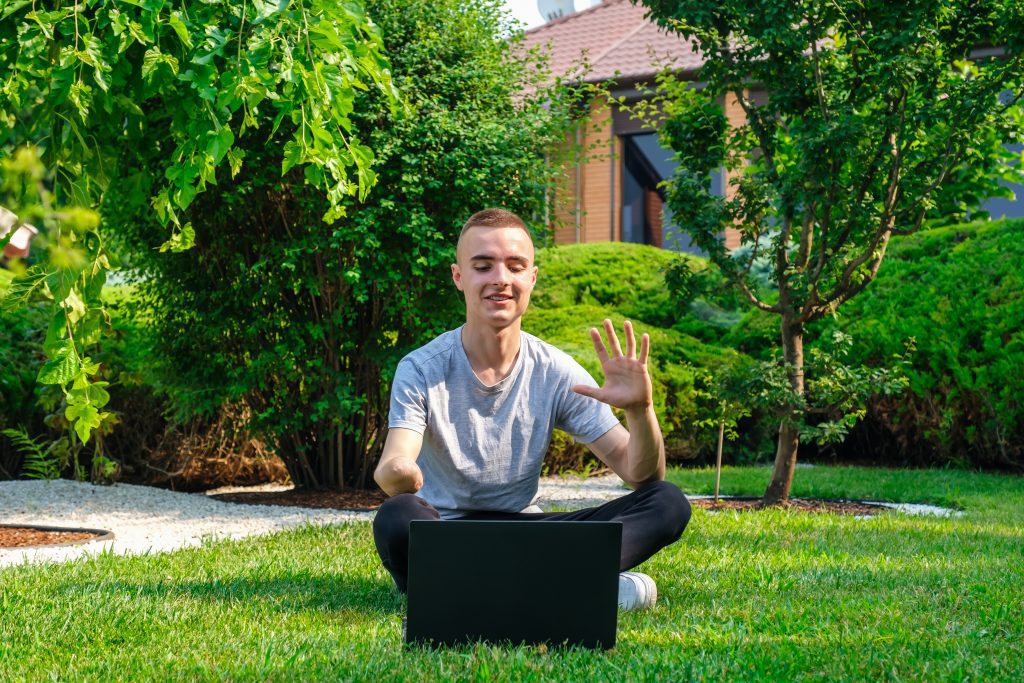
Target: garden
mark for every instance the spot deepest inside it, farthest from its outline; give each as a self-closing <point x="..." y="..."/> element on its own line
<point x="243" y="217"/>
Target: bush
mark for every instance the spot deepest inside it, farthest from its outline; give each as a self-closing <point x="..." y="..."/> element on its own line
<point x="632" y="279"/>
<point x="302" y="321"/>
<point x="959" y="292"/>
<point x="581" y="285"/>
<point x="146" y="445"/>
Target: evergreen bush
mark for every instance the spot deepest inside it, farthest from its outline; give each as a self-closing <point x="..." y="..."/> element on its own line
<point x="958" y="291"/>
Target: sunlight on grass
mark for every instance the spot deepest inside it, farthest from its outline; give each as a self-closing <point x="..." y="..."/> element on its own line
<point x="751" y="595"/>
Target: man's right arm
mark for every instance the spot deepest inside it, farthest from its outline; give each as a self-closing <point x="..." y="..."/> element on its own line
<point x="397" y="471"/>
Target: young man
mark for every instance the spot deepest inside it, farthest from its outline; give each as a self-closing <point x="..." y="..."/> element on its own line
<point x="472" y="414"/>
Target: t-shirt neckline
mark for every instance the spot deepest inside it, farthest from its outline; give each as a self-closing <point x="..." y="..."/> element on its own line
<point x="502" y="383"/>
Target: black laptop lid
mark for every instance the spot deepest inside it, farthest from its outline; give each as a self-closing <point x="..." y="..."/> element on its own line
<point x="510" y="581"/>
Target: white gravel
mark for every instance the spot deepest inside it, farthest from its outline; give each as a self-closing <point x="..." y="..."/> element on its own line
<point x="146" y="519"/>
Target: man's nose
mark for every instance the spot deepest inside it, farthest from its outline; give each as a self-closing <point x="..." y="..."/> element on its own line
<point x="502" y="275"/>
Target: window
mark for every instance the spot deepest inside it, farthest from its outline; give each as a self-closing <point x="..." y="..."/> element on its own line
<point x="646" y="218"/>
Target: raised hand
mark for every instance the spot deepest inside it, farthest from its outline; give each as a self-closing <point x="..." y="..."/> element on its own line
<point x="627" y="384"/>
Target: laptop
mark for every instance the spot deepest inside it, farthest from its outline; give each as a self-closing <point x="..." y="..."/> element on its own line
<point x="513" y="582"/>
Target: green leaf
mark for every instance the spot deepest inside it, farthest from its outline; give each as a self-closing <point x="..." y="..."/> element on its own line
<point x="267" y="8"/>
<point x="85" y="417"/>
<point x="219" y="143"/>
<point x="235" y="157"/>
<point x="180" y="241"/>
<point x="181" y="29"/>
<point x="56" y="332"/>
<point x="98" y="395"/>
<point x="62" y="367"/>
<point x="25" y="287"/>
<point x="74" y="306"/>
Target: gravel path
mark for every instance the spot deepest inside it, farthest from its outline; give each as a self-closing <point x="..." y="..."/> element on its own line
<point x="146" y="519"/>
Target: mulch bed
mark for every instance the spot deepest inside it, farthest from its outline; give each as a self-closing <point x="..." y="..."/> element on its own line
<point x="23" y="537"/>
<point x="838" y="507"/>
<point x="345" y="499"/>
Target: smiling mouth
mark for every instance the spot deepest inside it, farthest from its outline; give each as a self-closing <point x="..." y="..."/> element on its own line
<point x="499" y="298"/>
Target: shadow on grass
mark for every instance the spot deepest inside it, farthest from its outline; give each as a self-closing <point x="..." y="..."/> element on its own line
<point x="282" y="592"/>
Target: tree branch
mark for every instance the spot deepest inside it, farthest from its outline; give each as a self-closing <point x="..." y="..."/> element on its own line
<point x="806" y="237"/>
<point x="844" y="289"/>
<point x="752" y="298"/>
<point x="756" y="125"/>
<point x="869" y="175"/>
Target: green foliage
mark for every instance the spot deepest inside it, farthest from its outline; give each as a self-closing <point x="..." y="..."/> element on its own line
<point x="39" y="461"/>
<point x="303" y="321"/>
<point x="157" y="99"/>
<point x="639" y="283"/>
<point x="958" y="292"/>
<point x="581" y="285"/>
<point x="875" y="119"/>
<point x="836" y="392"/>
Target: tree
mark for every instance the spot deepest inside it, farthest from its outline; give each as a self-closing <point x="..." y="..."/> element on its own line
<point x="107" y="91"/>
<point x="304" y="321"/>
<point x="873" y="108"/>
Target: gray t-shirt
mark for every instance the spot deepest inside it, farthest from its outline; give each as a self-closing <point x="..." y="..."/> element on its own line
<point x="483" y="446"/>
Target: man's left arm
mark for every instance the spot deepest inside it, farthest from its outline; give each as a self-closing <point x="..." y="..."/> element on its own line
<point x="636" y="455"/>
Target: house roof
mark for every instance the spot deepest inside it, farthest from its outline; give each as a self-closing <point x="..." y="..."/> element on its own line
<point x="615" y="40"/>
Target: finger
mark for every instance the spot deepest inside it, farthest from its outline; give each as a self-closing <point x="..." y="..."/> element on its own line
<point x="630" y="339"/>
<point x="586" y="390"/>
<point x="613" y="341"/>
<point x="645" y="347"/>
<point x="602" y="352"/>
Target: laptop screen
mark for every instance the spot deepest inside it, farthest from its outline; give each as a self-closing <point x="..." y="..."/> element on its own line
<point x="528" y="582"/>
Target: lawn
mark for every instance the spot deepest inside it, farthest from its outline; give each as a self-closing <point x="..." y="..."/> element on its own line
<point x="756" y="595"/>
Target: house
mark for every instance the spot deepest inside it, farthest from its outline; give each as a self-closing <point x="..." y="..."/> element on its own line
<point x="612" y="192"/>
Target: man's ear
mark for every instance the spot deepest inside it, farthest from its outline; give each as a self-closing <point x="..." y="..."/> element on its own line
<point x="457" y="276"/>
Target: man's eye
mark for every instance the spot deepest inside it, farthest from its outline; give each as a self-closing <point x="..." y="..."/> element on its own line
<point x="481" y="269"/>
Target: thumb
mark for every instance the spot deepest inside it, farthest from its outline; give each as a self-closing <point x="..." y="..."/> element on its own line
<point x="586" y="390"/>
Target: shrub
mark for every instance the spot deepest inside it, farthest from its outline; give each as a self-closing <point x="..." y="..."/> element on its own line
<point x="580" y="285"/>
<point x="302" y="320"/>
<point x="959" y="292"/>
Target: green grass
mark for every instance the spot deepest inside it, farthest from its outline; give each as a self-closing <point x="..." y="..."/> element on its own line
<point x="754" y="595"/>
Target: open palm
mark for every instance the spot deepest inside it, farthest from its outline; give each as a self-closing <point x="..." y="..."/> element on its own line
<point x="627" y="383"/>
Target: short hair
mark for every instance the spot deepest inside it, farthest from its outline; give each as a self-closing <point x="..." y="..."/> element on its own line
<point x="495" y="218"/>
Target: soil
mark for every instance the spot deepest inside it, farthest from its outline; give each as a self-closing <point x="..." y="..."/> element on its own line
<point x="23" y="537"/>
<point x="837" y="507"/>
<point x="345" y="499"/>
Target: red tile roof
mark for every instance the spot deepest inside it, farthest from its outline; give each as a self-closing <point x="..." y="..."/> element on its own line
<point x="615" y="40"/>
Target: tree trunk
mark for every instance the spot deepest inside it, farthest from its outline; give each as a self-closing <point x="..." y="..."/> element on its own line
<point x="789" y="431"/>
<point x="332" y="456"/>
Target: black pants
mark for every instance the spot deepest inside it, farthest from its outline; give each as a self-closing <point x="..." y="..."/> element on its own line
<point x="652" y="517"/>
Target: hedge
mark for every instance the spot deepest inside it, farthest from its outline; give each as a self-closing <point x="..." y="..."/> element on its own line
<point x="958" y="291"/>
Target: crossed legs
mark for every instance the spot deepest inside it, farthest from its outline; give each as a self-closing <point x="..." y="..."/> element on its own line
<point x="653" y="516"/>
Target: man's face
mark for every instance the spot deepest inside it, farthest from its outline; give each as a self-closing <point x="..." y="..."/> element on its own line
<point x="494" y="270"/>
